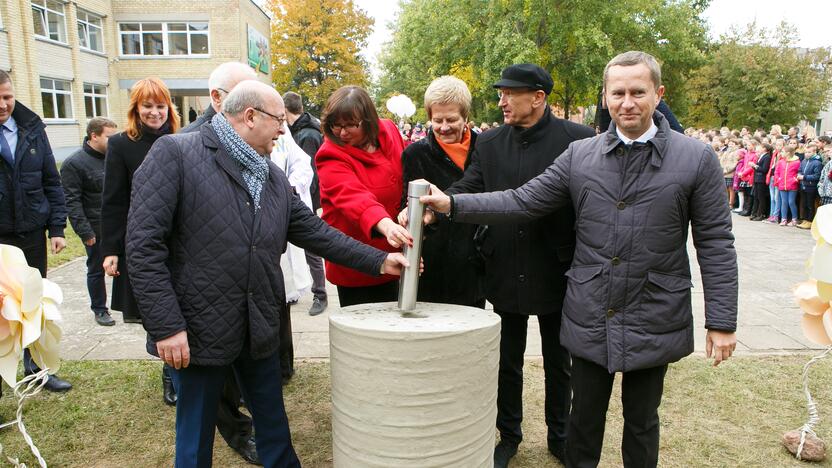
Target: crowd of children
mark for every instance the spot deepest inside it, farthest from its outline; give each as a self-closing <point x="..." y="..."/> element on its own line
<point x="772" y="177"/>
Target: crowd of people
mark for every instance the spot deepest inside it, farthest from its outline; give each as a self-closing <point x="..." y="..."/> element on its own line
<point x="213" y="231"/>
<point x="773" y="177"/>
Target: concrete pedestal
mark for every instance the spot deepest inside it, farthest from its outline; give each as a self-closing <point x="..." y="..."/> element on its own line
<point x="414" y="389"/>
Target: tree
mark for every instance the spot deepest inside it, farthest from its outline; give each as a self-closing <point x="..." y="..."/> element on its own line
<point x="315" y="47"/>
<point x="573" y="39"/>
<point x="758" y="78"/>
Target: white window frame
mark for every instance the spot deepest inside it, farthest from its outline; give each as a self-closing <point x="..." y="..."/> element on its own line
<point x="55" y="92"/>
<point x="84" y="21"/>
<point x="42" y="14"/>
<point x="165" y="32"/>
<point x="94" y="94"/>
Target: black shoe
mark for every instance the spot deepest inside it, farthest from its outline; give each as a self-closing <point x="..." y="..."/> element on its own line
<point x="248" y="450"/>
<point x="318" y="306"/>
<point x="57" y="385"/>
<point x="132" y="319"/>
<point x="503" y="452"/>
<point x="104" y="319"/>
<point x="558" y="449"/>
<point x="168" y="392"/>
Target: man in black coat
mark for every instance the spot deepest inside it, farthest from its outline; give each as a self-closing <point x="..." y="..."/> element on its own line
<point x="82" y="175"/>
<point x="306" y="130"/>
<point x="210" y="218"/>
<point x="31" y="198"/>
<point x="235" y="426"/>
<point x="525" y="263"/>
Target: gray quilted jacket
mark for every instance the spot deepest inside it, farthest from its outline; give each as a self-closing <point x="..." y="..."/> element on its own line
<point x="628" y="299"/>
<point x="201" y="260"/>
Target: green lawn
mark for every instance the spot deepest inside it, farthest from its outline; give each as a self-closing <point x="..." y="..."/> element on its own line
<point x="731" y="416"/>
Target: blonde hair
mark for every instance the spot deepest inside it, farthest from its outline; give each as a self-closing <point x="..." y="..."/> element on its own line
<point x="448" y="90"/>
<point x="148" y="89"/>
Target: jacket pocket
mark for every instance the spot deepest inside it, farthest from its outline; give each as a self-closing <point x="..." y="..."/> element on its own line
<point x="586" y="295"/>
<point x="665" y="303"/>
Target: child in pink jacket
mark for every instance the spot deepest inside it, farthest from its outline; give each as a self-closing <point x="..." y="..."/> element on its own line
<point x="785" y="176"/>
<point x="747" y="179"/>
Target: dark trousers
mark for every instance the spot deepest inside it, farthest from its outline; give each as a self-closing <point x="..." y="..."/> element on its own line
<point x="286" y="347"/>
<point x="556" y="367"/>
<point x="387" y="292"/>
<point x="807" y="203"/>
<point x="762" y="203"/>
<point x="199" y="389"/>
<point x="641" y="394"/>
<point x="96" y="287"/>
<point x="316" y="269"/>
<point x="234" y="426"/>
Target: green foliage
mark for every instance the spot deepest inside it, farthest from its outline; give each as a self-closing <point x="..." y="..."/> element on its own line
<point x="315" y="47"/>
<point x="757" y="78"/>
<point x="572" y="39"/>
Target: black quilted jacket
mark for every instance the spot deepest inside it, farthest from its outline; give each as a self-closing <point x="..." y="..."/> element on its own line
<point x="201" y="260"/>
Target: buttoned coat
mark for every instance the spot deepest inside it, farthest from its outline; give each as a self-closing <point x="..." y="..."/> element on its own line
<point x="202" y="260"/>
<point x="628" y="300"/>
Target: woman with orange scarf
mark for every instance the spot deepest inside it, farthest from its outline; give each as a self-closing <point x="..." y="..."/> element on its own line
<point x="453" y="270"/>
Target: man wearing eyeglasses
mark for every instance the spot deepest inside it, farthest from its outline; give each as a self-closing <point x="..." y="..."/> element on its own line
<point x="209" y="219"/>
<point x="526" y="262"/>
<point x="234" y="426"/>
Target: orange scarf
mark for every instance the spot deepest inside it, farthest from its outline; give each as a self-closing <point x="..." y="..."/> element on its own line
<point x="458" y="152"/>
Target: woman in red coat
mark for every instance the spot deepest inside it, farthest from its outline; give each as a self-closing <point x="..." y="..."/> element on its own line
<point x="360" y="176"/>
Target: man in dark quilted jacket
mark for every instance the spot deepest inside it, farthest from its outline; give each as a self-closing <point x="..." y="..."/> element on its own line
<point x="209" y="219"/>
<point x="636" y="189"/>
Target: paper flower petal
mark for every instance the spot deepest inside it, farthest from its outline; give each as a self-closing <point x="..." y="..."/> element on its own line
<point x="823" y="223"/>
<point x="822" y="263"/>
<point x="807" y="297"/>
<point x="45" y="350"/>
<point x="814" y="330"/>
<point x="52" y="292"/>
<point x="8" y="368"/>
<point x="825" y="291"/>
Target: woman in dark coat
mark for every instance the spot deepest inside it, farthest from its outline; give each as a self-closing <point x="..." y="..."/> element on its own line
<point x="150" y="115"/>
<point x="453" y="270"/>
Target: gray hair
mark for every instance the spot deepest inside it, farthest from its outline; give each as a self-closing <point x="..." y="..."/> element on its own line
<point x="228" y="74"/>
<point x="243" y="97"/>
<point x="636" y="57"/>
<point x="448" y="90"/>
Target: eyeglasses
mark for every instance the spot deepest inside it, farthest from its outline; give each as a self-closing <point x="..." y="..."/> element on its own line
<point x="280" y="120"/>
<point x="511" y="93"/>
<point x="348" y="127"/>
<point x="220" y="89"/>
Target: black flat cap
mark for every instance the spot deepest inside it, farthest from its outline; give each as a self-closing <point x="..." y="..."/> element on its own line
<point x="525" y="75"/>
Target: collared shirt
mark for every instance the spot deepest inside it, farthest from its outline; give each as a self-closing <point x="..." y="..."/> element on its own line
<point x="644" y="138"/>
<point x="9" y="130"/>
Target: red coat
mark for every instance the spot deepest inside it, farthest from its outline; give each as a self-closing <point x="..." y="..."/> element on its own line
<point x="359" y="189"/>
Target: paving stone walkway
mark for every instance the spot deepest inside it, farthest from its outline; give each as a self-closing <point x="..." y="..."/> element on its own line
<point x="771" y="260"/>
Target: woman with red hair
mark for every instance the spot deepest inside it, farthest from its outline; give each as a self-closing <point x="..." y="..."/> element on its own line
<point x="150" y="115"/>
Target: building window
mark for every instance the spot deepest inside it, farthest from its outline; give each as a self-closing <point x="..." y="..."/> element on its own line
<point x="95" y="100"/>
<point x="164" y="38"/>
<point x="49" y="19"/>
<point x="90" y="31"/>
<point x="57" y="98"/>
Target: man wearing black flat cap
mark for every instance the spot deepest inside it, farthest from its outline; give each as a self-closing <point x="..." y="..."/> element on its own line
<point x="526" y="262"/>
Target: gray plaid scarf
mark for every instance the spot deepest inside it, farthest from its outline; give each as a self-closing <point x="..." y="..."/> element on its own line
<point x="255" y="168"/>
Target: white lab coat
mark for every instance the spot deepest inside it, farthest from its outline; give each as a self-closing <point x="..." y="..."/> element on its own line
<point x="297" y="165"/>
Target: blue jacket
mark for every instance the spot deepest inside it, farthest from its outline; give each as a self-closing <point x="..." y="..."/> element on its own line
<point x="810" y="168"/>
<point x="31" y="197"/>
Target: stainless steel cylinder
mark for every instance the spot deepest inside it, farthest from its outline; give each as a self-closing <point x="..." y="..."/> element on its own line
<point x="409" y="281"/>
